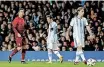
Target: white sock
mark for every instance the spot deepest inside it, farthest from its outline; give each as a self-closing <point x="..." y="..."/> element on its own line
<point x="77" y="57"/>
<point x="57" y="53"/>
<point x="50" y="56"/>
<point x="82" y="55"/>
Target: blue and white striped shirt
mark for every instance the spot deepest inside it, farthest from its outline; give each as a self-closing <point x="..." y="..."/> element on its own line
<point x="78" y="26"/>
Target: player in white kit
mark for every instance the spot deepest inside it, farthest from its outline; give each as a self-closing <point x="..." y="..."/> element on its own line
<point x="78" y="23"/>
<point x="52" y="40"/>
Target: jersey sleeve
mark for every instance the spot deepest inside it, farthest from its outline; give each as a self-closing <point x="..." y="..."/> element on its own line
<point x="55" y="28"/>
<point x="85" y="22"/>
<point x="53" y="31"/>
<point x="72" y="22"/>
<point x="14" y="25"/>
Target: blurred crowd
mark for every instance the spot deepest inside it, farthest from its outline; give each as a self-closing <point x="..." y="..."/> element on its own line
<point x="37" y="26"/>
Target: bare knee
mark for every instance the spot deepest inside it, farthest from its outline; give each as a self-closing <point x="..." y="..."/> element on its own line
<point x="49" y="50"/>
<point x="79" y="48"/>
<point x="19" y="48"/>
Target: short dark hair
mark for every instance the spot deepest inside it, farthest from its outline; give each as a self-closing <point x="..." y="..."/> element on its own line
<point x="49" y="16"/>
<point x="20" y="9"/>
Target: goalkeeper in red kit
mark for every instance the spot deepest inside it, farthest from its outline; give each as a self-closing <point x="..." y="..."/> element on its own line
<point x="18" y="26"/>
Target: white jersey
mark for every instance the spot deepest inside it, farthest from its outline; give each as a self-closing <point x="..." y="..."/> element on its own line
<point x="78" y="28"/>
<point x="52" y="38"/>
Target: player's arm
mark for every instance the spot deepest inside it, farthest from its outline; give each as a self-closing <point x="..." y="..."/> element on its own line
<point x="25" y="28"/>
<point x="71" y="25"/>
<point x="68" y="32"/>
<point x="90" y="32"/>
<point x="88" y="29"/>
<point x="14" y="25"/>
<point x="69" y="29"/>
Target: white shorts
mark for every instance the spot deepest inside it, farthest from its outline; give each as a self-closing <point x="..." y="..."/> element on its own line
<point x="53" y="46"/>
<point x="79" y="42"/>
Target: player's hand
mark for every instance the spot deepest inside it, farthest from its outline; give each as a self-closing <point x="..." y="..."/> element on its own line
<point x="18" y="35"/>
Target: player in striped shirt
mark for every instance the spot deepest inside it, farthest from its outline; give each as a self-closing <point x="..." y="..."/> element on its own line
<point x="78" y="23"/>
<point x="52" y="40"/>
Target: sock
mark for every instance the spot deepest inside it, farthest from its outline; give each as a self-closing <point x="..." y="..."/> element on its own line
<point x="14" y="52"/>
<point x="77" y="57"/>
<point x="82" y="56"/>
<point x="57" y="53"/>
<point x="23" y="54"/>
<point x="50" y="56"/>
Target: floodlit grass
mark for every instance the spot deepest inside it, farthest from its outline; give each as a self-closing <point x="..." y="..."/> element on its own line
<point x="44" y="64"/>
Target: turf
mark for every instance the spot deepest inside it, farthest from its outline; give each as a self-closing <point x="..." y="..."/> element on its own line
<point x="44" y="64"/>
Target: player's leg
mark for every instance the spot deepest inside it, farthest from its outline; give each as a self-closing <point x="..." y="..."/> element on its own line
<point x="18" y="48"/>
<point x="50" y="55"/>
<point x="59" y="55"/>
<point x="23" y="53"/>
<point x="55" y="50"/>
<point x="79" y="49"/>
<point x="79" y="52"/>
<point x="77" y="57"/>
<point x="82" y="54"/>
<point x="49" y="47"/>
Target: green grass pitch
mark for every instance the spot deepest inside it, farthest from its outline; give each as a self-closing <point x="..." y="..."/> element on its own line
<point x="44" y="64"/>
